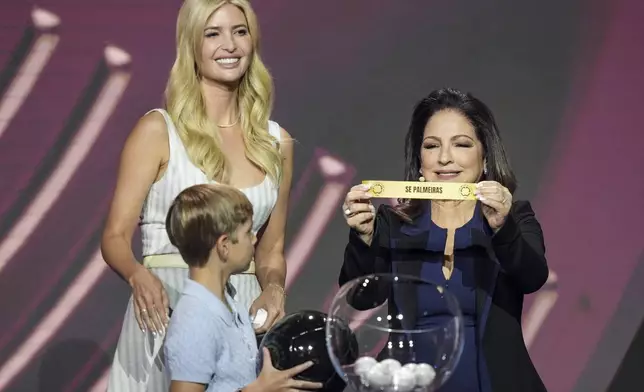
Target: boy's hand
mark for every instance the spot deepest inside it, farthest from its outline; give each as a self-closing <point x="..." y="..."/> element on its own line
<point x="273" y="380"/>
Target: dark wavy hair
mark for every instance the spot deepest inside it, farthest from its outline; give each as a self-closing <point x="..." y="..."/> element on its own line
<point x="481" y="118"/>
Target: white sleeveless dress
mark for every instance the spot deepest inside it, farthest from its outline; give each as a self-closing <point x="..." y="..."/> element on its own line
<point x="138" y="364"/>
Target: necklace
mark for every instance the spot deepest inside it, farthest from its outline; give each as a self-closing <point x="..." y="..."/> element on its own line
<point x="229" y="125"/>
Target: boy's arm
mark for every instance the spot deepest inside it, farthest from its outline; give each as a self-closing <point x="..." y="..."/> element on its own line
<point x="191" y="348"/>
<point x="183" y="386"/>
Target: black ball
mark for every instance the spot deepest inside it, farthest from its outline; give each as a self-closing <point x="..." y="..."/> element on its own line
<point x="301" y="337"/>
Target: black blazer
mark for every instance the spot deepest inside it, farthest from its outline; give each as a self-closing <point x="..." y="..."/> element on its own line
<point x="515" y="265"/>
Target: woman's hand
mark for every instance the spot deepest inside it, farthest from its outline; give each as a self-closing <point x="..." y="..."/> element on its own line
<point x="496" y="200"/>
<point x="272" y="301"/>
<point x="151" y="306"/>
<point x="359" y="212"/>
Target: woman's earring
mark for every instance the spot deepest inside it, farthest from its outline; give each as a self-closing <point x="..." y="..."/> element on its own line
<point x="421" y="179"/>
<point x="485" y="170"/>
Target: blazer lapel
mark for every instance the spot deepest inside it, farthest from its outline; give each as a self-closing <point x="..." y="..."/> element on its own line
<point x="409" y="248"/>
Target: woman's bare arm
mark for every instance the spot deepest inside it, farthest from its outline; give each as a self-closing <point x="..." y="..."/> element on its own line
<point x="144" y="155"/>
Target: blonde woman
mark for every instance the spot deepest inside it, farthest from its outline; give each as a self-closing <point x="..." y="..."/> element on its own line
<point x="215" y="129"/>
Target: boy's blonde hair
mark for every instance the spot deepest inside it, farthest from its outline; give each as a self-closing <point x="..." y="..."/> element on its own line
<point x="200" y="215"/>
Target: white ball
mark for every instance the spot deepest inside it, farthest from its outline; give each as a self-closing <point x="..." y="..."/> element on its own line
<point x="410" y="366"/>
<point x="363" y="364"/>
<point x="404" y="380"/>
<point x="391" y="365"/>
<point x="424" y="374"/>
<point x="378" y="376"/>
<point x="260" y="318"/>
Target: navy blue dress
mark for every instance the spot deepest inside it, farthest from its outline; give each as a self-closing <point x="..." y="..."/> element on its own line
<point x="433" y="311"/>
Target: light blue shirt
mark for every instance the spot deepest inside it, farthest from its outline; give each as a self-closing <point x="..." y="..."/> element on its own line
<point x="207" y="344"/>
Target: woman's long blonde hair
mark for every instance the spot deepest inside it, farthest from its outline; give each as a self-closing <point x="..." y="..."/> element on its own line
<point x="186" y="105"/>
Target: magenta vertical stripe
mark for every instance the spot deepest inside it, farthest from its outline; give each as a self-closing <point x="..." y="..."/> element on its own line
<point x="22" y="314"/>
<point x="591" y="202"/>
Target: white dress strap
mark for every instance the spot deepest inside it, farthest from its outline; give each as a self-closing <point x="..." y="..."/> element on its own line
<point x="168" y="120"/>
<point x="164" y="113"/>
<point x="275" y="130"/>
<point x="175" y="143"/>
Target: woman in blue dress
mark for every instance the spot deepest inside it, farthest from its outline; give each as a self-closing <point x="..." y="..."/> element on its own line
<point x="488" y="252"/>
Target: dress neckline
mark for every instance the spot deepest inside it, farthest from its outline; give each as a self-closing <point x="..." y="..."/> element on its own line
<point x="472" y="220"/>
<point x="248" y="187"/>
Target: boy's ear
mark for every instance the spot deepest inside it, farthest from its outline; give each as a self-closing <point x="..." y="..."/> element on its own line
<point x="223" y="245"/>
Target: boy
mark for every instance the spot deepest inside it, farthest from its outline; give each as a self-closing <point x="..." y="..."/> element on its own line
<point x="210" y="344"/>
